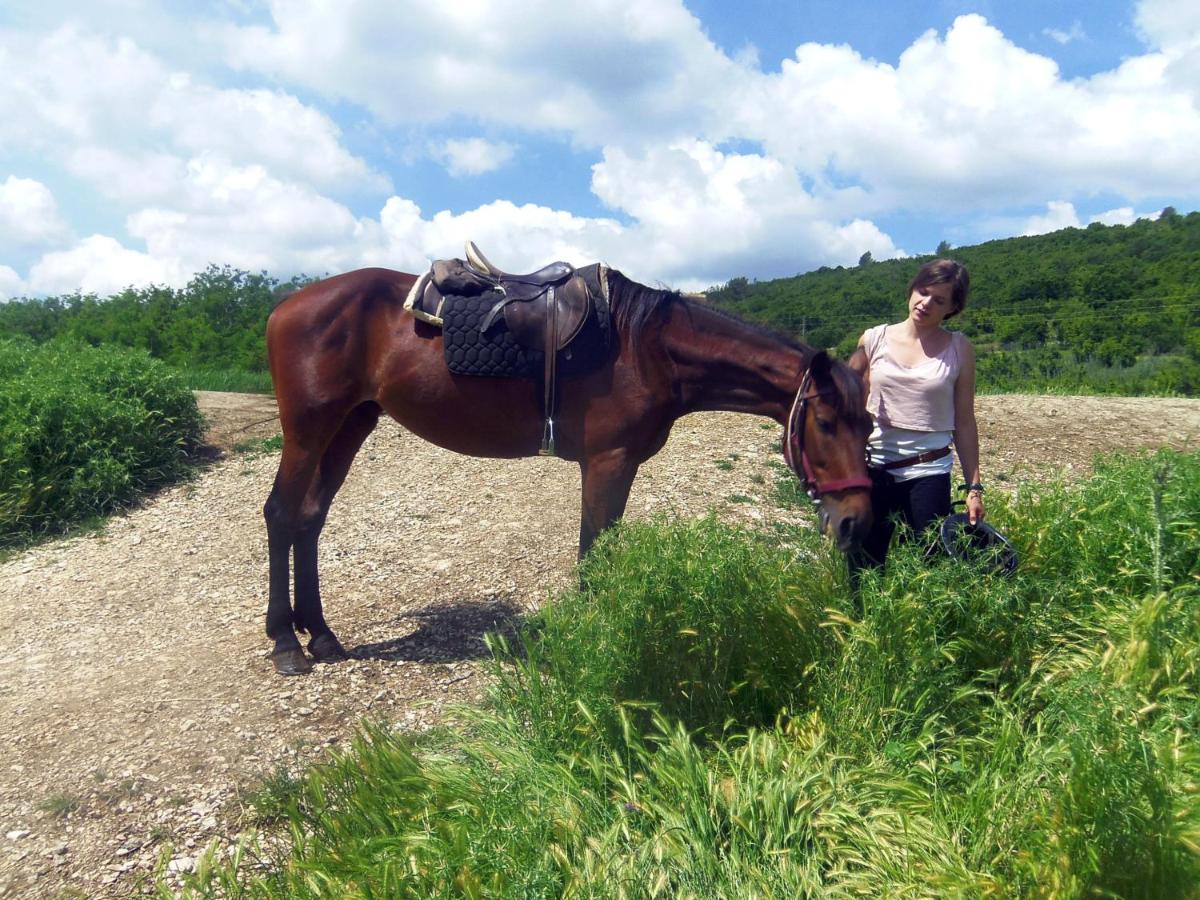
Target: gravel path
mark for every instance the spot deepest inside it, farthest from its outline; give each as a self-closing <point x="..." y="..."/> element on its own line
<point x="136" y="694"/>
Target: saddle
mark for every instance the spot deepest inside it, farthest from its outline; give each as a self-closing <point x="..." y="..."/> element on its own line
<point x="543" y="310"/>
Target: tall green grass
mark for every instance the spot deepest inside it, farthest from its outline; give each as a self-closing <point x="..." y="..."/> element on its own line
<point x="709" y="715"/>
<point x="1049" y="370"/>
<point x="233" y="380"/>
<point x="83" y="431"/>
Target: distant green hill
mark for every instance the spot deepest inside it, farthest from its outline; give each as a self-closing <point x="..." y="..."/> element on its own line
<point x="1102" y="309"/>
<point x="1112" y="309"/>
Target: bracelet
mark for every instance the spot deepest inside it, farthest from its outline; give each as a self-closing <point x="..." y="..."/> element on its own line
<point x="975" y="488"/>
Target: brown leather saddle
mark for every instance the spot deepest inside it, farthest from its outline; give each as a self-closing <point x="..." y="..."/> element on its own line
<point x="549" y="305"/>
<point x="543" y="310"/>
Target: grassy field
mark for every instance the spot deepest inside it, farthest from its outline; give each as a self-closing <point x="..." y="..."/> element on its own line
<point x="226" y="380"/>
<point x="709" y="715"/>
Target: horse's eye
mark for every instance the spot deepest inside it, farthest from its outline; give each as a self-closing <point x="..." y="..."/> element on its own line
<point x="827" y="426"/>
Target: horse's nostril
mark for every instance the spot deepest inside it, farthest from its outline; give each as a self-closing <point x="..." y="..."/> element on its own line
<point x="846" y="527"/>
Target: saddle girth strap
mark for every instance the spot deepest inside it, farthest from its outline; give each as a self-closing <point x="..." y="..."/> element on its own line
<point x="548" y="446"/>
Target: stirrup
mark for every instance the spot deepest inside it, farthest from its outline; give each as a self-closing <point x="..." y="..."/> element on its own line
<point x="547" y="448"/>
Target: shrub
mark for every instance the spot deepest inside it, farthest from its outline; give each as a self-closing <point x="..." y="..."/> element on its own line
<point x="84" y="431"/>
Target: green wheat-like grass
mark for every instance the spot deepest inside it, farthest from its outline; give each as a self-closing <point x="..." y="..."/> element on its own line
<point x="710" y="714"/>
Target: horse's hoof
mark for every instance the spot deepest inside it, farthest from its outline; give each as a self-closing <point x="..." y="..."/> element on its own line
<point x="291" y="662"/>
<point x="325" y="648"/>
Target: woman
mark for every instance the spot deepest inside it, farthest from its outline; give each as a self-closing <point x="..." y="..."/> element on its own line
<point x="921" y="394"/>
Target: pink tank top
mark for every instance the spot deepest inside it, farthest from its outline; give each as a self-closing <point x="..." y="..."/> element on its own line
<point x="920" y="398"/>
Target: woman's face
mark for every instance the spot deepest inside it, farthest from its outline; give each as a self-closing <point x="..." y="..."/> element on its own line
<point x="930" y="304"/>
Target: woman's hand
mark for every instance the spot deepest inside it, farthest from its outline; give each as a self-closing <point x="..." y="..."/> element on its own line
<point x="975" y="510"/>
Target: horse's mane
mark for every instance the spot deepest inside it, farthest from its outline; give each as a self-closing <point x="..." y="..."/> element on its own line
<point x="851" y="396"/>
<point x="635" y="306"/>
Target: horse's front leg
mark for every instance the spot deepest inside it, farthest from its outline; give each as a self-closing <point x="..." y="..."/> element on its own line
<point x="309" y="615"/>
<point x="292" y="534"/>
<point x="607" y="478"/>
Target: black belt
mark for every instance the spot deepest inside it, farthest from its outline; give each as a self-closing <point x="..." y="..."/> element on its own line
<point x="928" y="456"/>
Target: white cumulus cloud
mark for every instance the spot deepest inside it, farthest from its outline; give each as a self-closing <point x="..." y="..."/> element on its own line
<point x="99" y="264"/>
<point x="130" y="177"/>
<point x="709" y="213"/>
<point x="1064" y="37"/>
<point x="970" y="120"/>
<point x="259" y="126"/>
<point x="472" y="156"/>
<point x="1168" y="23"/>
<point x="99" y="103"/>
<point x="245" y="217"/>
<point x="1059" y="214"/>
<point x="1173" y="29"/>
<point x="516" y="238"/>
<point x="195" y="163"/>
<point x="29" y="215"/>
<point x="597" y="70"/>
<point x="11" y="285"/>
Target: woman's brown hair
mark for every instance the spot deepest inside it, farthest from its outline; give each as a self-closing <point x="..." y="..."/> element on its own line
<point x="944" y="271"/>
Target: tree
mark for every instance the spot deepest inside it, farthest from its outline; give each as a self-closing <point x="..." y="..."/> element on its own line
<point x="943" y="249"/>
<point x="1168" y="213"/>
<point x="865" y="259"/>
<point x="736" y="288"/>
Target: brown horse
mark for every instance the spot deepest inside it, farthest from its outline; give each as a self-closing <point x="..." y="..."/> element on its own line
<point x="344" y="350"/>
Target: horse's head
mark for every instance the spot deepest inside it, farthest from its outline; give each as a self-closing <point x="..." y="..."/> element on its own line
<point x="825" y="444"/>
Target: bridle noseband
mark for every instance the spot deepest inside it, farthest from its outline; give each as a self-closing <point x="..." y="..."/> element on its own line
<point x="795" y="432"/>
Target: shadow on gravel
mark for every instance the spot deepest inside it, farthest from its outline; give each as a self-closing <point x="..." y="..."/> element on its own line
<point x="449" y="632"/>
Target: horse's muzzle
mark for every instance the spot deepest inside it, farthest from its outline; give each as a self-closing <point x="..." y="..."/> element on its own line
<point x="848" y="519"/>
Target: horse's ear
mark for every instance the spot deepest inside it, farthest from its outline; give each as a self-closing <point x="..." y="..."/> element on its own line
<point x="858" y="361"/>
<point x="820" y="366"/>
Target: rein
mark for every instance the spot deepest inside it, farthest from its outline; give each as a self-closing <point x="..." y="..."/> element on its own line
<point x="795" y="432"/>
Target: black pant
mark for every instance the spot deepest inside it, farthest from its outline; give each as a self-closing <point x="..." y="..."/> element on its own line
<point x="918" y="503"/>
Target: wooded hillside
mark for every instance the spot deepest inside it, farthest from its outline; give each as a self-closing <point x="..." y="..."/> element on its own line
<point x="1054" y="304"/>
<point x="1102" y="309"/>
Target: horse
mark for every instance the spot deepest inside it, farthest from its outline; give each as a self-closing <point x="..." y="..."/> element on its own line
<point x="344" y="350"/>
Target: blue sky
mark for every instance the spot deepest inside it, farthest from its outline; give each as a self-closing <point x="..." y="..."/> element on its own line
<point x="684" y="143"/>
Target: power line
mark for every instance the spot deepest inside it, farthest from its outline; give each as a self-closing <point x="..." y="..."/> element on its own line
<point x="834" y="320"/>
<point x="1018" y="308"/>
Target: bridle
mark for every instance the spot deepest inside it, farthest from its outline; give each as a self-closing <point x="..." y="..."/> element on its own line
<point x="795" y="433"/>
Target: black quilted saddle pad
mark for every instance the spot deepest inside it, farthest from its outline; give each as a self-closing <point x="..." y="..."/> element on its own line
<point x="496" y="354"/>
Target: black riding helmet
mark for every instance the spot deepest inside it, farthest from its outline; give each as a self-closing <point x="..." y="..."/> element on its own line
<point x="979" y="543"/>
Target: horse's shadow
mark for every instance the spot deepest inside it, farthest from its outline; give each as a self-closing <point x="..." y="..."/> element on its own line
<point x="449" y="632"/>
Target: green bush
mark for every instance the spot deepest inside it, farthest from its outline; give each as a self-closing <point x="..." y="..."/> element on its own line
<point x="84" y="431"/>
<point x="214" y="324"/>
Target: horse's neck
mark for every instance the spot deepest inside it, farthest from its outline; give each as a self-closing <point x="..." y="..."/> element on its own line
<point x="724" y="364"/>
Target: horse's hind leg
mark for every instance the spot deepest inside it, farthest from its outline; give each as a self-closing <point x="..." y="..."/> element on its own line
<point x="318" y="448"/>
<point x="331" y="473"/>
